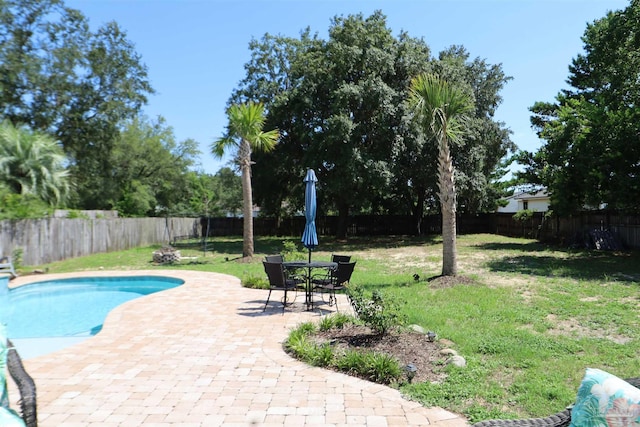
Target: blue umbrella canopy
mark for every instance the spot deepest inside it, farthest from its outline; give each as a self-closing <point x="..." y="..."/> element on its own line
<point x="309" y="236"/>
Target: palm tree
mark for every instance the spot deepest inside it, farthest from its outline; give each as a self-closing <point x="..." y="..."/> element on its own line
<point x="32" y="163"/>
<point x="442" y="108"/>
<point x="244" y="133"/>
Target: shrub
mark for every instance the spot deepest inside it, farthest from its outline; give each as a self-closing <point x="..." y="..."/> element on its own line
<point x="16" y="258"/>
<point x="380" y="312"/>
<point x="523" y="215"/>
<point x="290" y="251"/>
<point x="76" y="214"/>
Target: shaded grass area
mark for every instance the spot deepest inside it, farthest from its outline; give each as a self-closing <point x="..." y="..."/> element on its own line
<point x="530" y="321"/>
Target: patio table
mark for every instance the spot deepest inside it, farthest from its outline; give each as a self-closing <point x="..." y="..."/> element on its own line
<point x="309" y="266"/>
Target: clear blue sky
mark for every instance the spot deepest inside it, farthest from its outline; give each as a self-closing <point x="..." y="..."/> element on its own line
<point x="195" y="50"/>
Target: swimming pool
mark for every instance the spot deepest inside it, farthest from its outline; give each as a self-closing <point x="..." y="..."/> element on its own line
<point x="67" y="309"/>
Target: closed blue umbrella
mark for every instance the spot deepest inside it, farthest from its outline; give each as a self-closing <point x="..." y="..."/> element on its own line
<point x="310" y="237"/>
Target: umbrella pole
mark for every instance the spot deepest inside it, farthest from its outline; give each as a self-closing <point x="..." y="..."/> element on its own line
<point x="309" y="255"/>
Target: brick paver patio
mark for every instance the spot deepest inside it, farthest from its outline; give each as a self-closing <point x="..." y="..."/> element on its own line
<point x="204" y="354"/>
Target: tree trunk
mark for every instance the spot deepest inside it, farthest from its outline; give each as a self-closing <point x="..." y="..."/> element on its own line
<point x="418" y="212"/>
<point x="247" y="198"/>
<point x="446" y="186"/>
<point x="343" y="216"/>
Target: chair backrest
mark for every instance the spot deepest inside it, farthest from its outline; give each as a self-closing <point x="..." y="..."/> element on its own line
<point x="343" y="272"/>
<point x="340" y="258"/>
<point x="274" y="258"/>
<point x="275" y="274"/>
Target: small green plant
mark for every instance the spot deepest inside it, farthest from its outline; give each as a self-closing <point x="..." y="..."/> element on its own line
<point x="298" y="343"/>
<point x="76" y="214"/>
<point x="254" y="282"/>
<point x="325" y="324"/>
<point x="350" y="361"/>
<point x="16" y="258"/>
<point x="290" y="251"/>
<point x="322" y="355"/>
<point x="381" y="368"/>
<point x="376" y="367"/>
<point x="380" y="312"/>
<point x="337" y="320"/>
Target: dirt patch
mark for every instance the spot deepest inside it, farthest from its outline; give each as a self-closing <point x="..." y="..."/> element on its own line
<point x="440" y="282"/>
<point x="571" y="327"/>
<point x="406" y="346"/>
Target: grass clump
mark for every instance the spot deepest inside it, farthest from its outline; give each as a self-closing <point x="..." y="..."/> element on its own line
<point x="372" y="366"/>
<point x="337" y="320"/>
<point x="254" y="281"/>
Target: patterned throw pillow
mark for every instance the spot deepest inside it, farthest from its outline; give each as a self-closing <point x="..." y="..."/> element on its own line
<point x="605" y="400"/>
<point x="9" y="418"/>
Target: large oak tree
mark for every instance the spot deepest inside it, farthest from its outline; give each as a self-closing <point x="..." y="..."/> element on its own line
<point x="339" y="105"/>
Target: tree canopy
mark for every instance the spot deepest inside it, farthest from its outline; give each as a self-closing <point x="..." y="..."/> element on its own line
<point x="340" y="107"/>
<point x="149" y="169"/>
<point x="590" y="157"/>
<point x="80" y="86"/>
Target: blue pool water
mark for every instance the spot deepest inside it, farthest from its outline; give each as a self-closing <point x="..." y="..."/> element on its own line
<point x="71" y="308"/>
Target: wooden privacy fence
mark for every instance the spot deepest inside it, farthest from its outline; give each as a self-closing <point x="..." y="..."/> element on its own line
<point x="52" y="239"/>
<point x="571" y="230"/>
<point x="357" y="225"/>
<point x="563" y="230"/>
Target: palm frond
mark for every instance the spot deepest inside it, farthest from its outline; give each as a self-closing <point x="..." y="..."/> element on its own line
<point x="439" y="104"/>
<point x="246" y="122"/>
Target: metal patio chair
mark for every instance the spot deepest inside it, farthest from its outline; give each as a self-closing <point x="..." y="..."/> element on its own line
<point x="278" y="281"/>
<point x="340" y="258"/>
<point x="335" y="280"/>
<point x="274" y="258"/>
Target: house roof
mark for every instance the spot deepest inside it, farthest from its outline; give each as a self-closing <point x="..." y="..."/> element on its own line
<point x="523" y="195"/>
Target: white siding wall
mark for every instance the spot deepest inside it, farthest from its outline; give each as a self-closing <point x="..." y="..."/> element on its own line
<point x="539" y="205"/>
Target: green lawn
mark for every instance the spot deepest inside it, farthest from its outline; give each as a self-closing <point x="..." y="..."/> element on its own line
<point x="534" y="319"/>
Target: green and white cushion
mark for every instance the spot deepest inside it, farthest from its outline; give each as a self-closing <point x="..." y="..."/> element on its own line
<point x="605" y="400"/>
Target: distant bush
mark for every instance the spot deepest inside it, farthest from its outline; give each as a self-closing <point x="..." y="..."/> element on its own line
<point x="290" y="251"/>
<point x="19" y="206"/>
<point x="523" y="215"/>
